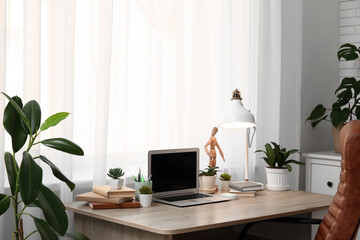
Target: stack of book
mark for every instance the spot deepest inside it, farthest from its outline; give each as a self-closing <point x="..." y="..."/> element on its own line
<point x="245" y="188"/>
<point x="102" y="197"/>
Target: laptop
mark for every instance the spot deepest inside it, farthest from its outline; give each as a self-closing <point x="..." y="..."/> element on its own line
<point x="175" y="177"/>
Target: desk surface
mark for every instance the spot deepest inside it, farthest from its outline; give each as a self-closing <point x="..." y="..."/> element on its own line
<point x="170" y="220"/>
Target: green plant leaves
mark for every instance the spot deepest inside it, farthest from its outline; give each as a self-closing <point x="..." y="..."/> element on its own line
<point x="4" y="203"/>
<point x="11" y="170"/>
<point x="32" y="112"/>
<point x="57" y="173"/>
<point x="30" y="179"/>
<point x="276" y="157"/>
<point x="339" y="116"/>
<point x="348" y="52"/>
<point x="44" y="229"/>
<point x="318" y="112"/>
<point x="76" y="236"/>
<point x="63" y="145"/>
<point x="12" y="124"/>
<point x="18" y="109"/>
<point x="54" y="120"/>
<point x="53" y="209"/>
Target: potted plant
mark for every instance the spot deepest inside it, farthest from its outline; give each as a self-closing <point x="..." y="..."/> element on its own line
<point x="347" y="105"/>
<point x="22" y="122"/>
<point x="208" y="178"/>
<point x="225" y="182"/>
<point x="276" y="158"/>
<point x="145" y="196"/>
<point x="116" y="181"/>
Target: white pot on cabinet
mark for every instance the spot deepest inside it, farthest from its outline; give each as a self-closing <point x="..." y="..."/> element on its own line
<point x="207" y="182"/>
<point x="277" y="179"/>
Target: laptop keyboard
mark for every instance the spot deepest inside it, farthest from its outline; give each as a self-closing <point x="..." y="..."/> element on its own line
<point x="184" y="197"/>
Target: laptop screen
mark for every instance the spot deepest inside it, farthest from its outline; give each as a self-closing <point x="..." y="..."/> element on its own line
<point x="174" y="170"/>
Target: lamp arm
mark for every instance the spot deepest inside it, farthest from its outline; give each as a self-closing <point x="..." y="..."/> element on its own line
<point x="250" y="140"/>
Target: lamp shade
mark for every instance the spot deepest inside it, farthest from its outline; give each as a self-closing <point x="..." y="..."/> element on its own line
<point x="237" y="116"/>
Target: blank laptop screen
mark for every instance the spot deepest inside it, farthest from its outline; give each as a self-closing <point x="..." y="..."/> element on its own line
<point x="173" y="171"/>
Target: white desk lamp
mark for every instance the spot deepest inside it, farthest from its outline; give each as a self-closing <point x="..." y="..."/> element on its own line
<point x="237" y="116"/>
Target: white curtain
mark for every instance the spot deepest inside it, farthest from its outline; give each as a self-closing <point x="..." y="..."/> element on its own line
<point x="138" y="75"/>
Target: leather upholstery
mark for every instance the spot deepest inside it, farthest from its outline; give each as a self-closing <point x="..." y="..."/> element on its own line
<point x="341" y="222"/>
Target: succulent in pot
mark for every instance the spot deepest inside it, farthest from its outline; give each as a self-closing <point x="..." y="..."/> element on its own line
<point x="207" y="179"/>
<point x="145" y="196"/>
<point x="116" y="181"/>
<point x="276" y="157"/>
<point x="225" y="182"/>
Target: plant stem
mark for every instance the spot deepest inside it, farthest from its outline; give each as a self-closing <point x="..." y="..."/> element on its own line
<point x="30" y="234"/>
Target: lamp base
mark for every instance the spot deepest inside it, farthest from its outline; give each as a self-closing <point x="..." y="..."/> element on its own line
<point x="245" y="186"/>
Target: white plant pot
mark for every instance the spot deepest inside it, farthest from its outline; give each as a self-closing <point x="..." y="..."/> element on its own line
<point x="145" y="200"/>
<point x="225" y="186"/>
<point x="138" y="185"/>
<point x="116" y="183"/>
<point x="277" y="179"/>
<point x="207" y="182"/>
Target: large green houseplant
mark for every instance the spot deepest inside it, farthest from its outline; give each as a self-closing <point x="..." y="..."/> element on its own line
<point x="347" y="105"/>
<point x="27" y="189"/>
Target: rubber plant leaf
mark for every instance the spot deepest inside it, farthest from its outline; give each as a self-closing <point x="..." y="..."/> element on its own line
<point x="54" y="120"/>
<point x="44" y="229"/>
<point x="30" y="179"/>
<point x="33" y="113"/>
<point x="76" y="235"/>
<point x="53" y="209"/>
<point x="57" y="173"/>
<point x="12" y="124"/>
<point x="4" y="203"/>
<point x="63" y="145"/>
<point x="19" y="110"/>
<point x="11" y="168"/>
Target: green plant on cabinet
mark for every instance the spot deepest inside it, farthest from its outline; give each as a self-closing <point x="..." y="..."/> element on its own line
<point x="277" y="156"/>
<point x="347" y="105"/>
<point x="27" y="190"/>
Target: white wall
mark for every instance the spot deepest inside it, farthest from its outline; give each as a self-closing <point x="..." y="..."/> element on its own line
<point x="320" y="74"/>
<point x="349" y="33"/>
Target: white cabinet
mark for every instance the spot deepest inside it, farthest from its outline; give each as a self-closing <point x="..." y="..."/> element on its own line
<point x="322" y="176"/>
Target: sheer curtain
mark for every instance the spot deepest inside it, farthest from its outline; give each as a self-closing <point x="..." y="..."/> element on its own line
<point x="139" y="75"/>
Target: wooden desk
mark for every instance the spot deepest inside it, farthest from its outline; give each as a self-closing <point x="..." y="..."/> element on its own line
<point x="167" y="222"/>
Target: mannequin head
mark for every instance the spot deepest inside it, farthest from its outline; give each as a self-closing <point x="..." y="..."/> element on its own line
<point x="214" y="131"/>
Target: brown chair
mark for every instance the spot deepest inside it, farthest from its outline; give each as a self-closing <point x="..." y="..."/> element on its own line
<point x="342" y="220"/>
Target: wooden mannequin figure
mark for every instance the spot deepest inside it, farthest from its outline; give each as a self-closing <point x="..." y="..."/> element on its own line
<point x="212" y="153"/>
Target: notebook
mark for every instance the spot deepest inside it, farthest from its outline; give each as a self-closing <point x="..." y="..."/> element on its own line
<point x="175" y="177"/>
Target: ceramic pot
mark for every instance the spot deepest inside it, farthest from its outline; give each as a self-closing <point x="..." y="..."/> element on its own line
<point x="145" y="200"/>
<point x="225" y="186"/>
<point x="138" y="185"/>
<point x="336" y="137"/>
<point x="207" y="182"/>
<point x="116" y="183"/>
<point x="277" y="179"/>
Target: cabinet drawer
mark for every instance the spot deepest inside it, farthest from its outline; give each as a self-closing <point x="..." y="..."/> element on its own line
<point x="324" y="178"/>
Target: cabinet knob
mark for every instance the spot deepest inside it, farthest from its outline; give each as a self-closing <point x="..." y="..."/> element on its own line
<point x="330" y="184"/>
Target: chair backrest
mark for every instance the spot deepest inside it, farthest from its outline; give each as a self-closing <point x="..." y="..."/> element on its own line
<point x="342" y="219"/>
